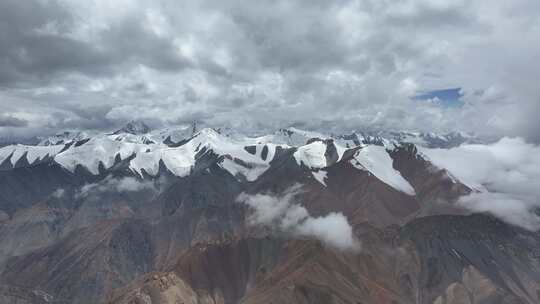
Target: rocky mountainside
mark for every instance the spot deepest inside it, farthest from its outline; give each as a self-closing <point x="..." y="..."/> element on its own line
<point x="189" y="215"/>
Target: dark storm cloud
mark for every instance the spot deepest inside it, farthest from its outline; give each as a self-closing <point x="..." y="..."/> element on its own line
<point x="37" y="41"/>
<point x="87" y="117"/>
<point x="29" y="51"/>
<point x="129" y="42"/>
<point x="321" y="64"/>
<point x="10" y="121"/>
<point x="287" y="35"/>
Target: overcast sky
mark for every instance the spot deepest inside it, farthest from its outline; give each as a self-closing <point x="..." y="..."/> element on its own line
<point x="317" y="64"/>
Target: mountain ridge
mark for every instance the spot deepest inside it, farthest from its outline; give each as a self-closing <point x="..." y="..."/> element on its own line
<point x="162" y="217"/>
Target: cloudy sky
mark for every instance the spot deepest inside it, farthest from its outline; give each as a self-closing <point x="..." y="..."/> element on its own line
<point x="394" y="64"/>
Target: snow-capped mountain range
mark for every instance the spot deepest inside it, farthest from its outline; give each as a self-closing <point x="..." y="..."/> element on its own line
<point x="177" y="150"/>
<point x="138" y="131"/>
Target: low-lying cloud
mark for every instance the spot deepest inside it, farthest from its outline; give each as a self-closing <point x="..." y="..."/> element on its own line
<point x="280" y="212"/>
<point x="117" y="185"/>
<point x="506" y="175"/>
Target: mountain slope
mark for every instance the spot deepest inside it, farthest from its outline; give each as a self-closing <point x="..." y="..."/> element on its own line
<point x="154" y="216"/>
<point x="424" y="264"/>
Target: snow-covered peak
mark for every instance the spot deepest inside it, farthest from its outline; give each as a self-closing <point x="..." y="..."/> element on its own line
<point x="134" y="127"/>
<point x="168" y="136"/>
<point x="100" y="149"/>
<point x="377" y="161"/>
<point x="431" y="139"/>
<point x="304" y="133"/>
<point x="139" y="132"/>
<point x="63" y="138"/>
<point x="209" y="133"/>
<point x="295" y="137"/>
<point x="175" y="134"/>
<point x="312" y="155"/>
<point x="14" y="153"/>
<point x="359" y="138"/>
<point x="318" y="154"/>
<point x="106" y="150"/>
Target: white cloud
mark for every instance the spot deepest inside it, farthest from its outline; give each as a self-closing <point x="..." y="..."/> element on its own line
<point x="58" y="193"/>
<point x="118" y="185"/>
<point x="517" y="210"/>
<point x="282" y="213"/>
<point x="506" y="174"/>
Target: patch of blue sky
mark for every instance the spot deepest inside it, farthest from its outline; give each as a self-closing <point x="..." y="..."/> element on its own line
<point x="446" y="97"/>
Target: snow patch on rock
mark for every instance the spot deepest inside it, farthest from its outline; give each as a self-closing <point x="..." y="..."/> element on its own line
<point x="320" y="176"/>
<point x="312" y="155"/>
<point x="377" y="161"/>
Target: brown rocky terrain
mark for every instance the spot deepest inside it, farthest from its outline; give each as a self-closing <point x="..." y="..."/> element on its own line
<point x="393" y="266"/>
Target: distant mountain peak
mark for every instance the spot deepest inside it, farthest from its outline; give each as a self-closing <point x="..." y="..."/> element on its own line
<point x="134" y="127"/>
<point x="63" y="138"/>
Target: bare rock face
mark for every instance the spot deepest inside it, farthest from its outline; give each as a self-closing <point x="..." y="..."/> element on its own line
<point x="492" y="261"/>
<point x="98" y="259"/>
<point x="393" y="266"/>
<point x="30" y="229"/>
<point x="18" y="295"/>
<point x="165" y="288"/>
<point x="264" y="271"/>
<point x="430" y="182"/>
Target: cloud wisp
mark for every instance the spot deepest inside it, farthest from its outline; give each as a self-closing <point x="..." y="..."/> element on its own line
<point x="115" y="185"/>
<point x="506" y="175"/>
<point x="280" y="212"/>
